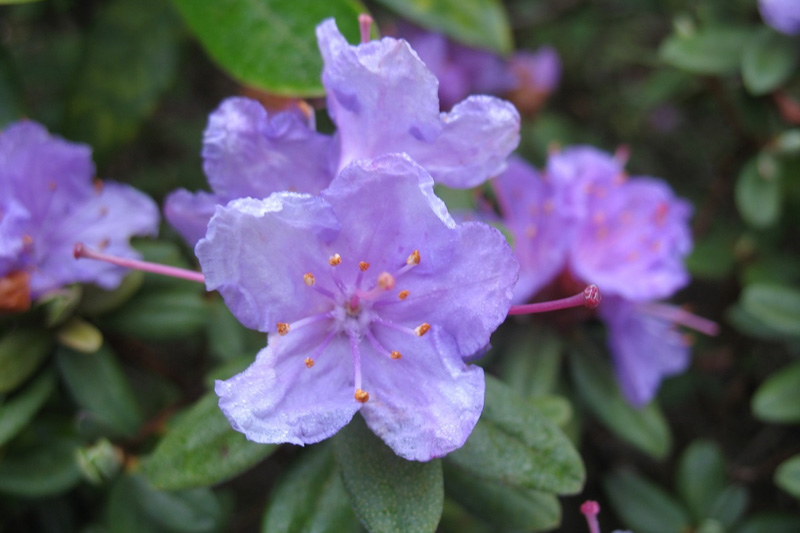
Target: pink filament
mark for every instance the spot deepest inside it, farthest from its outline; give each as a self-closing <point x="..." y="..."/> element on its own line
<point x="590" y="297"/>
<point x="590" y="510"/>
<point x="81" y="251"/>
<point x="682" y="317"/>
<point x="365" y="25"/>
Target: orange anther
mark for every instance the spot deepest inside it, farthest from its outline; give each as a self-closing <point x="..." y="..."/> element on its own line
<point x="403" y="295"/>
<point x="362" y="395"/>
<point x="422" y="329"/>
<point x="283" y="328"/>
<point x="363" y="265"/>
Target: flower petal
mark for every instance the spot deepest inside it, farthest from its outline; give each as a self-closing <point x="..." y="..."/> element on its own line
<point x="645" y="349"/>
<point x="426" y="404"/>
<point x="250" y="153"/>
<point x="189" y="213"/>
<point x="278" y="399"/>
<point x="256" y="253"/>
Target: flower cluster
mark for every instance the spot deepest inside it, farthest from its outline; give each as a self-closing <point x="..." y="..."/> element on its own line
<point x="373" y="296"/>
<point x="584" y="219"/>
<point x="49" y="200"/>
<point x="382" y="98"/>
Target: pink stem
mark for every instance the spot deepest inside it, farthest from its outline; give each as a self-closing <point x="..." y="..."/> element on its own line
<point x="81" y="251"/>
<point x="365" y="24"/>
<point x="590" y="510"/>
<point x="590" y="297"/>
<point x="682" y="317"/>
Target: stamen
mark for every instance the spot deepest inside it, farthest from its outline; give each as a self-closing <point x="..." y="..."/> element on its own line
<point x="392" y="325"/>
<point x="27" y="241"/>
<point x="365" y="25"/>
<point x="590" y="297"/>
<point x="81" y="251"/>
<point x="335" y="260"/>
<point x="309" y="279"/>
<point x="682" y="317"/>
<point x="98" y="185"/>
<point x="309" y="362"/>
<point x="363" y="265"/>
<point x="422" y="329"/>
<point x="361" y="396"/>
<point x="590" y="510"/>
<point x="386" y="281"/>
<point x="396" y="355"/>
<point x="403" y="295"/>
<point x="414" y="258"/>
<point x="52" y="185"/>
<point x="531" y="230"/>
<point x="379" y="347"/>
<point x="283" y="328"/>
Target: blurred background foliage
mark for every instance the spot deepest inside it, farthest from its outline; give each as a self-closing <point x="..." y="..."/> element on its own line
<point x="107" y="422"/>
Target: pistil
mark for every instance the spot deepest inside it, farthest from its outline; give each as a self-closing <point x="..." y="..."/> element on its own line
<point x="590" y="297"/>
<point x="81" y="251"/>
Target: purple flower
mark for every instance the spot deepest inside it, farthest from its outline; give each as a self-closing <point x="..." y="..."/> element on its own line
<point x="539" y="71"/>
<point x="48" y="202"/>
<point x="781" y="15"/>
<point x="372" y="311"/>
<point x="383" y="99"/>
<point x="629" y="236"/>
<point x="248" y="152"/>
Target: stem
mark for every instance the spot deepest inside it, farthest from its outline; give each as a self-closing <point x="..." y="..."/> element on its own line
<point x="81" y="251"/>
<point x="590" y="297"/>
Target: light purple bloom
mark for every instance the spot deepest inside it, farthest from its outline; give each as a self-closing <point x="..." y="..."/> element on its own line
<point x="248" y="152"/>
<point x="538" y="71"/>
<point x="348" y="283"/>
<point x="383" y="99"/>
<point x="48" y="202"/>
<point x="782" y="15"/>
<point x="628" y="235"/>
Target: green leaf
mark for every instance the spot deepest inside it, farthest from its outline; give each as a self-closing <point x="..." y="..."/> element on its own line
<point x="730" y="505"/>
<point x="47" y="469"/>
<point x="99" y="386"/>
<point x="201" y="449"/>
<point x="516" y="445"/>
<point x="97" y="301"/>
<point x="778" y="306"/>
<point x="532" y="361"/>
<point x="758" y="195"/>
<point x="701" y="477"/>
<point x="556" y="409"/>
<point x="644" y="506"/>
<point x="310" y="497"/>
<point x="645" y="428"/>
<point x="715" y="50"/>
<point x="770" y="523"/>
<point x="18" y="410"/>
<point x="387" y="492"/>
<point x="778" y="398"/>
<point x="269" y="44"/>
<point x="228" y="339"/>
<point x="500" y="504"/>
<point x="768" y="61"/>
<point x="129" y="59"/>
<point x="21" y="353"/>
<point x="80" y="336"/>
<point x="478" y="23"/>
<point x="787" y="476"/>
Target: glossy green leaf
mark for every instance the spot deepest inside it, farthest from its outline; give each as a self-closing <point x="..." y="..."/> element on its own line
<point x="516" y="445"/>
<point x="269" y="44"/>
<point x="716" y="50"/>
<point x="645" y="428"/>
<point x="387" y="492"/>
<point x="500" y="504"/>
<point x="80" y="336"/>
<point x="778" y="398"/>
<point x="556" y="409"/>
<point x="21" y="353"/>
<point x="787" y="476"/>
<point x="129" y="59"/>
<point x="97" y="301"/>
<point x="532" y="361"/>
<point x="201" y="449"/>
<point x="776" y="305"/>
<point x="758" y="195"/>
<point x="310" y="497"/>
<point x="479" y="23"/>
<point x="99" y="462"/>
<point x="770" y="523"/>
<point x="644" y="506"/>
<point x="99" y="386"/>
<point x="768" y="61"/>
<point x="701" y="477"/>
<point x="18" y="410"/>
<point x="47" y="469"/>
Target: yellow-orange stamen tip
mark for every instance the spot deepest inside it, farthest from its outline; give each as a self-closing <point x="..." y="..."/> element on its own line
<point x="309" y="279"/>
<point x="27" y="240"/>
<point x="385" y="281"/>
<point x="531" y="230"/>
<point x="283" y="328"/>
<point x="309" y="362"/>
<point x="363" y="265"/>
<point x="403" y="295"/>
<point x="52" y="185"/>
<point x="414" y="258"/>
<point x="335" y="260"/>
<point x="98" y="185"/>
<point x="422" y="329"/>
<point x="362" y="395"/>
<point x="396" y="355"/>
